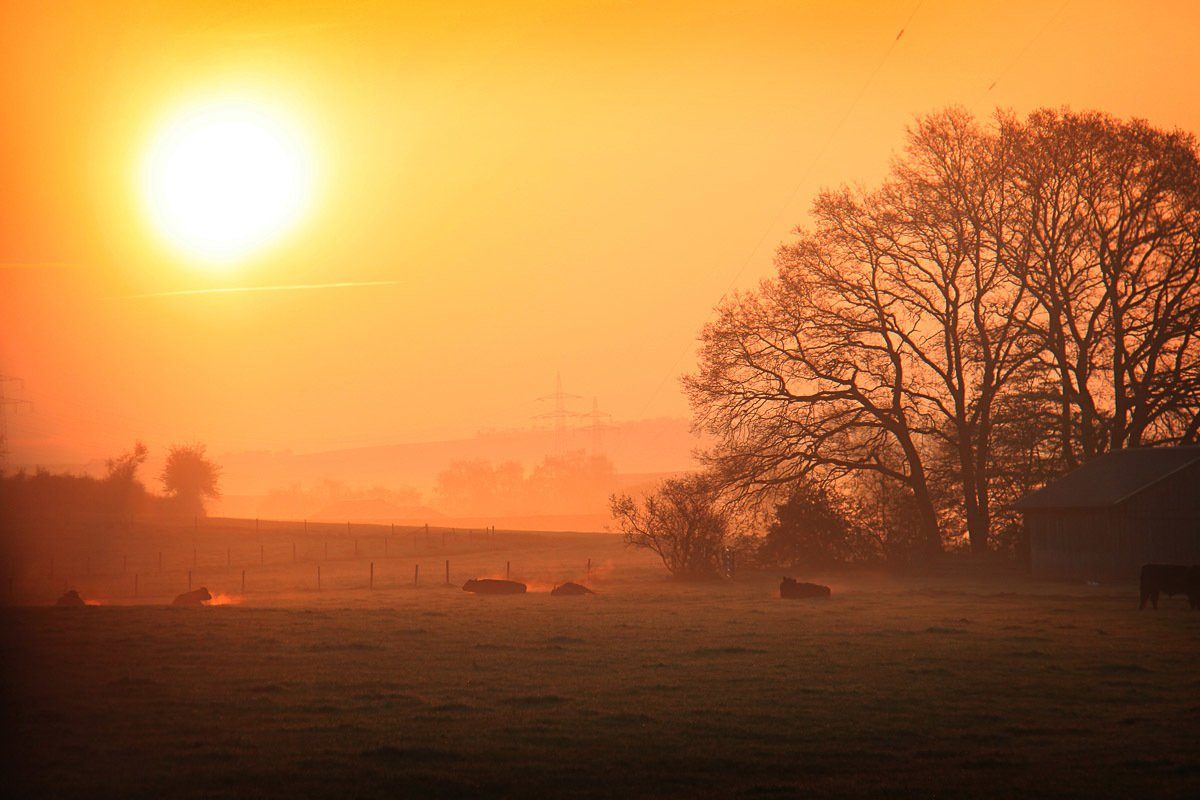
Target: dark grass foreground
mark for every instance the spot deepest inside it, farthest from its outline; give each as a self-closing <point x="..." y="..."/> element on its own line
<point x="904" y="688"/>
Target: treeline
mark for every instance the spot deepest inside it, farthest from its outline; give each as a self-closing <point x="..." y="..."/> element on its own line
<point x="1015" y="298"/>
<point x="572" y="483"/>
<point x="188" y="479"/>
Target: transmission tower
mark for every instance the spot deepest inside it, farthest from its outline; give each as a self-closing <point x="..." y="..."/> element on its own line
<point x="561" y="415"/>
<point x="598" y="423"/>
<point x="5" y="402"/>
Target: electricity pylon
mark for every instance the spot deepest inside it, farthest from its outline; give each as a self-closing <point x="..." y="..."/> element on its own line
<point x="561" y="415"/>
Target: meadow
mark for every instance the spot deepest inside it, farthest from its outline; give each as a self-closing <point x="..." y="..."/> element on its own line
<point x="988" y="685"/>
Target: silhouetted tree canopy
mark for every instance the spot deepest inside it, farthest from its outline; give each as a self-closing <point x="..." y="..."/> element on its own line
<point x="119" y="494"/>
<point x="189" y="478"/>
<point x="816" y="527"/>
<point x="1012" y="298"/>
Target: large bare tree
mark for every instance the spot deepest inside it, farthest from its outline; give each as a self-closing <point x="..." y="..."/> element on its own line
<point x="1115" y="219"/>
<point x="988" y="296"/>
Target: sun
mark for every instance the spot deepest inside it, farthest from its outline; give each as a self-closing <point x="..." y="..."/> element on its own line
<point x="225" y="177"/>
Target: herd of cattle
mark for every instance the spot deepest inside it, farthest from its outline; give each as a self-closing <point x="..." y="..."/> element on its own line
<point x="1156" y="579"/>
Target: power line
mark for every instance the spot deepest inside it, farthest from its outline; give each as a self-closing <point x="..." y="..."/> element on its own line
<point x="1020" y="53"/>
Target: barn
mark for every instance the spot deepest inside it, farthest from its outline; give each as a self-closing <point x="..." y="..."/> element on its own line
<point x="1115" y="513"/>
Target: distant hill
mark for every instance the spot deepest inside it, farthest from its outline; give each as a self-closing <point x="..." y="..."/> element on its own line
<point x="649" y="446"/>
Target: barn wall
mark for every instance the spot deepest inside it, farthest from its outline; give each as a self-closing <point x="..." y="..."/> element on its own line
<point x="1115" y="543"/>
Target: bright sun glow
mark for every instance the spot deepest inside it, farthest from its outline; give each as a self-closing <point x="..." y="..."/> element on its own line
<point x="224" y="178"/>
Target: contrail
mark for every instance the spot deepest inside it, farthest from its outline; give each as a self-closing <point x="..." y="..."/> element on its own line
<point x="292" y="287"/>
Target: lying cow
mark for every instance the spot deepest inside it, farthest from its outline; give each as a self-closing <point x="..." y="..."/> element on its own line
<point x="790" y="589"/>
<point x="196" y="598"/>
<point x="570" y="589"/>
<point x="70" y="599"/>
<point x="1170" y="579"/>
<point x="493" y="586"/>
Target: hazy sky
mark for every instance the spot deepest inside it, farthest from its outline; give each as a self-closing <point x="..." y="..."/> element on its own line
<point x="550" y="186"/>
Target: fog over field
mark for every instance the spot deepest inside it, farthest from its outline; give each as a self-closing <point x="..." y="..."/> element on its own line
<point x="899" y="685"/>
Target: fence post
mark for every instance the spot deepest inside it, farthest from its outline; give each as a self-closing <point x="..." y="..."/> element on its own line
<point x="416" y="573"/>
<point x="347" y="527"/>
<point x="256" y="525"/>
<point x="447" y="572"/>
<point x="589" y="569"/>
<point x="371" y="581"/>
<point x="306" y="526"/>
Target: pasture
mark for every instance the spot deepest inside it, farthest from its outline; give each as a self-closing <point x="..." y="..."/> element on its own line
<point x="993" y="686"/>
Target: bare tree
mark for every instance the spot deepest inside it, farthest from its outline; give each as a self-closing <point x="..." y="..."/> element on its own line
<point x="897" y="320"/>
<point x="1004" y="286"/>
<point x="1115" y="217"/>
<point x="682" y="522"/>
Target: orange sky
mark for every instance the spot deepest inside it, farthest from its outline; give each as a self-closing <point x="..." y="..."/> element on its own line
<point x="552" y="186"/>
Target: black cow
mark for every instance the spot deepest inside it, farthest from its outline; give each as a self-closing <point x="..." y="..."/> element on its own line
<point x="790" y="589"/>
<point x="493" y="586"/>
<point x="196" y="598"/>
<point x="570" y="589"/>
<point x="1170" y="579"/>
<point x="70" y="599"/>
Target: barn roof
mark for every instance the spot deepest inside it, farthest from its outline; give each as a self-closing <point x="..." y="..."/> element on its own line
<point x="1110" y="479"/>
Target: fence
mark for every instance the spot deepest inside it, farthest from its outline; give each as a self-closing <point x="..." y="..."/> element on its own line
<point x="148" y="559"/>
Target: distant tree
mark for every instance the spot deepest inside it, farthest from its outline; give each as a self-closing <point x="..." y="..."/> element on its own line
<point x="570" y="483"/>
<point x="682" y="521"/>
<point x="121" y="485"/>
<point x="815" y="527"/>
<point x="123" y="468"/>
<point x="477" y="487"/>
<point x="189" y="478"/>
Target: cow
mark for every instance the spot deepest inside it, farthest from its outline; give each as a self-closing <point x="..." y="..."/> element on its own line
<point x="1170" y="579"/>
<point x="570" y="589"/>
<point x="493" y="586"/>
<point x="70" y="599"/>
<point x="196" y="598"/>
<point x="790" y="589"/>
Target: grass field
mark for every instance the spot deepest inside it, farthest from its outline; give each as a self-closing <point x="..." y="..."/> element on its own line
<point x="936" y="686"/>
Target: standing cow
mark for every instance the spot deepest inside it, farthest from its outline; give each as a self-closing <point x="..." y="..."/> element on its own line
<point x="1170" y="579"/>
